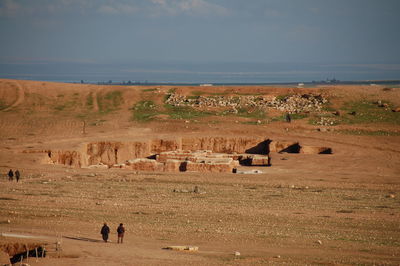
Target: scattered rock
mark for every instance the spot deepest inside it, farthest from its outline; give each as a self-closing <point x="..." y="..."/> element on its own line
<point x="237" y="253"/>
<point x="392" y="196"/>
<point x="180" y="190"/>
<point x="296" y="103"/>
<point x="249" y="172"/>
<point x="182" y="248"/>
<point x="319" y="242"/>
<point x="277" y="256"/>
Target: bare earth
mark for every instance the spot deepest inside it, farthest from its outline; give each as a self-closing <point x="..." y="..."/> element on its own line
<point x="307" y="209"/>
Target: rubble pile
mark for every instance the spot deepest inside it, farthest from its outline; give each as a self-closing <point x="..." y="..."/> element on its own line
<point x="296" y="103"/>
<point x="326" y="121"/>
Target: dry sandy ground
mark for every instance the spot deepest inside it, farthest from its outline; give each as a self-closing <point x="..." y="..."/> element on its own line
<point x="337" y="209"/>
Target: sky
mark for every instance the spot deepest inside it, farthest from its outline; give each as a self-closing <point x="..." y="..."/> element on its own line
<point x="186" y="39"/>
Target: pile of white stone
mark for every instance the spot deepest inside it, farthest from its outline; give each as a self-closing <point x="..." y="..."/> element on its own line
<point x="296" y="103"/>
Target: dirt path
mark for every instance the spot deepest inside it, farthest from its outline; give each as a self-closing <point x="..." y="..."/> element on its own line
<point x="20" y="97"/>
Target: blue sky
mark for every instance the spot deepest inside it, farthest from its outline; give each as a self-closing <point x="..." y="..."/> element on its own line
<point x="166" y="36"/>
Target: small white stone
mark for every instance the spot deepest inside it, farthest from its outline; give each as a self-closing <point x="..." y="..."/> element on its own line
<point x="237" y="253"/>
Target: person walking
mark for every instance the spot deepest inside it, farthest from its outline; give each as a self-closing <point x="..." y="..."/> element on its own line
<point x="288" y="118"/>
<point x="105" y="230"/>
<point x="17" y="175"/>
<point x="121" y="232"/>
<point x="10" y="175"/>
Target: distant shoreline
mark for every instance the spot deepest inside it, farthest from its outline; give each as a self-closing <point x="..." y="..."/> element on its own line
<point x="294" y="83"/>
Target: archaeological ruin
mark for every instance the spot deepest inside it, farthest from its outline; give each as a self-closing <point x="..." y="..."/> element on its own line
<point x="206" y="154"/>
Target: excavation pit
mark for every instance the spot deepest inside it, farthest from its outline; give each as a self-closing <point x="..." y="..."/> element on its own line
<point x="206" y="154"/>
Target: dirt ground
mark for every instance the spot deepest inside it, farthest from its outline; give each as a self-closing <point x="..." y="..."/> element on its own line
<point x="332" y="209"/>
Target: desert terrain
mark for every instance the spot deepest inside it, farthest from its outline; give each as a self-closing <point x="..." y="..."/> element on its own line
<point x="71" y="141"/>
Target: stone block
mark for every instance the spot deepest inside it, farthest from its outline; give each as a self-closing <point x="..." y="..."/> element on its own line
<point x="173" y="165"/>
<point x="145" y="165"/>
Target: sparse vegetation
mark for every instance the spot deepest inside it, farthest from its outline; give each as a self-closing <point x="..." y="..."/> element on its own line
<point x="362" y="132"/>
<point x="198" y="93"/>
<point x="292" y="116"/>
<point x="184" y="112"/>
<point x="150" y="90"/>
<point x="255" y="113"/>
<point x="359" y="112"/>
<point x="110" y="101"/>
<point x="89" y="100"/>
<point x="144" y="111"/>
<point x="2" y="105"/>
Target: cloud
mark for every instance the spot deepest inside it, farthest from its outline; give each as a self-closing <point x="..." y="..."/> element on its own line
<point x="117" y="9"/>
<point x="9" y="8"/>
<point x="150" y="8"/>
<point x="188" y="7"/>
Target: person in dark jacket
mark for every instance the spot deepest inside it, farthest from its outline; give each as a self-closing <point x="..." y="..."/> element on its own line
<point x="288" y="118"/>
<point x="105" y="230"/>
<point x="17" y="175"/>
<point x="10" y="175"/>
<point x="121" y="232"/>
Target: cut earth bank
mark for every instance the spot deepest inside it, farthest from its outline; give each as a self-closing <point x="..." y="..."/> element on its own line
<point x="207" y="154"/>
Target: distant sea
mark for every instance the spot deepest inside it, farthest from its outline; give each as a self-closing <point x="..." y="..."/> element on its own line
<point x="178" y="72"/>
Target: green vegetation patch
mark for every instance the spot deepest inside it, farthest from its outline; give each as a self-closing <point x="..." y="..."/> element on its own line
<point x="198" y="93"/>
<point x="292" y="117"/>
<point x="3" y="105"/>
<point x="110" y="101"/>
<point x="89" y="100"/>
<point x="68" y="105"/>
<point x="149" y="90"/>
<point x="144" y="111"/>
<point x="358" y="112"/>
<point x="256" y="113"/>
<point x="368" y="133"/>
<point x="283" y="97"/>
<point x="184" y="112"/>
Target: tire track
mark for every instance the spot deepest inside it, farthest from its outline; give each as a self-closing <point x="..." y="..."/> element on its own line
<point x="20" y="97"/>
<point x="95" y="102"/>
